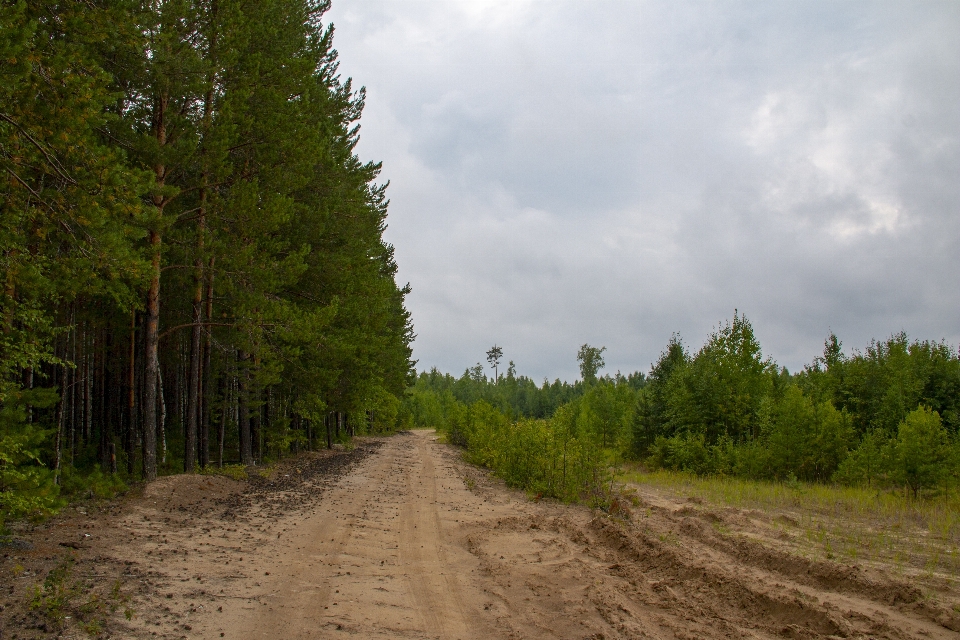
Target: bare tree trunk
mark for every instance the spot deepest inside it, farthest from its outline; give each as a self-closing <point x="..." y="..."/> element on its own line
<point x="193" y="408"/>
<point x="104" y="396"/>
<point x="58" y="442"/>
<point x="29" y="385"/>
<point x="151" y="369"/>
<point x="193" y="379"/>
<point x="88" y="410"/>
<point x="72" y="385"/>
<point x="221" y="432"/>
<point x="207" y="377"/>
<point x="243" y="392"/>
<point x="163" y="417"/>
<point x="132" y="393"/>
<point x="256" y="433"/>
<point x="152" y="325"/>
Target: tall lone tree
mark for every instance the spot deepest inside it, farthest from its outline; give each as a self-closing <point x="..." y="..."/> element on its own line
<point x="591" y="361"/>
<point x="493" y="357"/>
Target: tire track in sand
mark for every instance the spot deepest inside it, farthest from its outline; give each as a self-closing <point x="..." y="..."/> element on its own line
<point x="422" y="551"/>
<point x="368" y="559"/>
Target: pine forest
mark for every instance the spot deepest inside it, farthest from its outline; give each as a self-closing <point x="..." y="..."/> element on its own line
<point x="193" y="264"/>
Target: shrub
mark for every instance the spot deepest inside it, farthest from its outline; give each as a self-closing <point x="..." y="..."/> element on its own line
<point x="920" y="454"/>
<point x="93" y="484"/>
<point x="683" y="452"/>
<point x="804" y="439"/>
<point x="868" y="463"/>
<point x="919" y="457"/>
<point x="562" y="457"/>
<point x="27" y="486"/>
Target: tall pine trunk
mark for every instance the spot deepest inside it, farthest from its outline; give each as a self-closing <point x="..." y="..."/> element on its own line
<point x="207" y="389"/>
<point x="131" y="395"/>
<point x="151" y="336"/>
<point x="243" y="393"/>
<point x="193" y="404"/>
<point x="150" y="365"/>
<point x="193" y="379"/>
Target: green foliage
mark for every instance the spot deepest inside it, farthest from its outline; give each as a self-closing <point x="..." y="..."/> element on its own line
<point x="61" y="594"/>
<point x="570" y="456"/>
<point x="79" y="484"/>
<point x="685" y="452"/>
<point x="384" y="412"/>
<point x="513" y="395"/>
<point x="721" y="391"/>
<point x="868" y="464"/>
<point x="881" y="385"/>
<point x="591" y="361"/>
<point x="54" y="598"/>
<point x="236" y="472"/>
<point x="561" y="457"/>
<point x="651" y="417"/>
<point x="726" y="410"/>
<point x="606" y="413"/>
<point x="802" y="438"/>
<point x="27" y="486"/>
<point x="921" y="453"/>
<point x="193" y="162"/>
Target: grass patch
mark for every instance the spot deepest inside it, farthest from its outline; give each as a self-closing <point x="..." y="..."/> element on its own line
<point x="851" y="524"/>
<point x="62" y="596"/>
<point x="233" y="471"/>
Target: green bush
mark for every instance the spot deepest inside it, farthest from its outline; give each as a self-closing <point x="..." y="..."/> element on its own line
<point x="562" y="457"/>
<point x="91" y="484"/>
<point x="27" y="486"/>
<point x="921" y="453"/>
<point x="804" y="439"/>
<point x="682" y="452"/>
<point x="867" y="464"/>
<point x="236" y="472"/>
<point x="920" y="456"/>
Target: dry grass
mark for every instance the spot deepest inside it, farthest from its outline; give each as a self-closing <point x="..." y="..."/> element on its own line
<point x="856" y="524"/>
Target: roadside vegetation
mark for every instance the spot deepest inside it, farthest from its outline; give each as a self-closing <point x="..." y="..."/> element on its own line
<point x="827" y="521"/>
<point x="874" y="432"/>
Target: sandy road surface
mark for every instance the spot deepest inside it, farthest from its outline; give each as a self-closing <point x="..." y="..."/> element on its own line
<point x="403" y="540"/>
<point x="376" y="557"/>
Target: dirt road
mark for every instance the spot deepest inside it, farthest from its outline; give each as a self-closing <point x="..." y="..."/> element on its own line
<point x="404" y="540"/>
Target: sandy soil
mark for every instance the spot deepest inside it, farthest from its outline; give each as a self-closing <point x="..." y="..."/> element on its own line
<point x="401" y="539"/>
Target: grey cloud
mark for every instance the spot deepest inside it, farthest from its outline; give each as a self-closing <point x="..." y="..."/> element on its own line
<point x="612" y="172"/>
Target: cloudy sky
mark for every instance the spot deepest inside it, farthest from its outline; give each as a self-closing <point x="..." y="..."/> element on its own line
<point x="610" y="172"/>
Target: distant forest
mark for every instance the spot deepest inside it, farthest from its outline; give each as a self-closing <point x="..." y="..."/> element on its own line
<point x="193" y="264"/>
<point x="888" y="415"/>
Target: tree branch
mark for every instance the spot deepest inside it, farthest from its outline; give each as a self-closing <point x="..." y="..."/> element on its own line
<point x="53" y="161"/>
